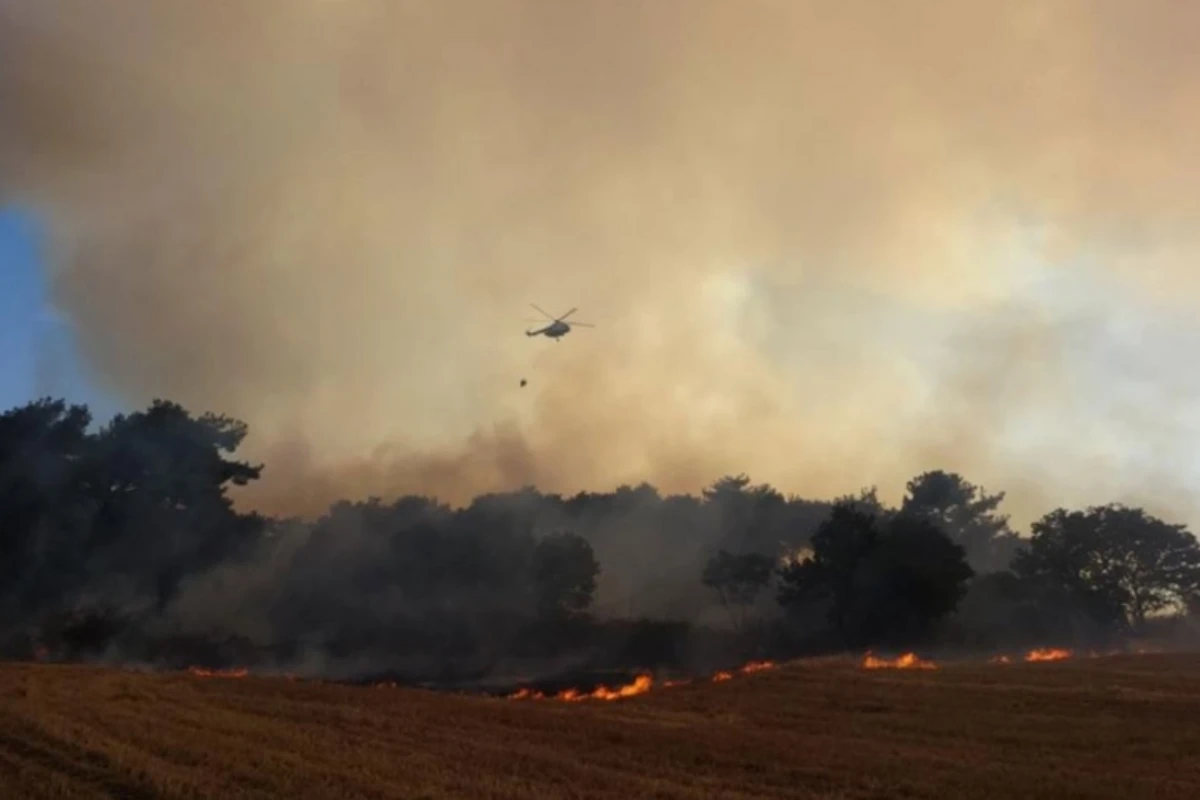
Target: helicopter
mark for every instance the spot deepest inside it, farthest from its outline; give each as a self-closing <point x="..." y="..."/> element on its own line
<point x="557" y="327"/>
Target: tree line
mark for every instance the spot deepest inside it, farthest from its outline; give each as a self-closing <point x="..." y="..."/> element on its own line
<point x="122" y="541"/>
<point x="945" y="567"/>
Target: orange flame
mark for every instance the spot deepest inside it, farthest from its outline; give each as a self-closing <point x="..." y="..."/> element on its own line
<point x="745" y="669"/>
<point x="641" y="684"/>
<point x="906" y="661"/>
<point x="201" y="672"/>
<point x="1061" y="654"/>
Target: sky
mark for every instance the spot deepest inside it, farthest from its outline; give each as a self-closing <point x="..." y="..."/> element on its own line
<point x="22" y="295"/>
<point x="827" y="245"/>
<point x="38" y="357"/>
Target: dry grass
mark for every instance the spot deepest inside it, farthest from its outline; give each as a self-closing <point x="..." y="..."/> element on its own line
<point x="1120" y="727"/>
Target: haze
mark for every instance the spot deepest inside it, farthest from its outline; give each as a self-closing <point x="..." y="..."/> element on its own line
<point x="825" y="244"/>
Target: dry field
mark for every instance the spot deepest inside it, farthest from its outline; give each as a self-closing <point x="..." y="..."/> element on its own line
<point x="1119" y="727"/>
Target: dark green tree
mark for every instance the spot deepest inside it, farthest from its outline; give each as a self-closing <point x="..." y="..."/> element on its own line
<point x="829" y="576"/>
<point x="967" y="514"/>
<point x="916" y="576"/>
<point x="880" y="580"/>
<point x="866" y="501"/>
<point x="159" y="481"/>
<point x="1118" y="564"/>
<point x="758" y="518"/>
<point x="738" y="580"/>
<point x="564" y="571"/>
<point x="45" y="507"/>
<point x="96" y="526"/>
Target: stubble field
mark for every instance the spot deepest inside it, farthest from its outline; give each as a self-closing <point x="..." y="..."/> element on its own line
<point x="1116" y="727"/>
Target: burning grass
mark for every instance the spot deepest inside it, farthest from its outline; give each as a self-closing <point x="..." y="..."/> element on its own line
<point x="906" y="661"/>
<point x="646" y="682"/>
<point x="913" y="661"/>
<point x="1109" y="727"/>
<point x="640" y="685"/>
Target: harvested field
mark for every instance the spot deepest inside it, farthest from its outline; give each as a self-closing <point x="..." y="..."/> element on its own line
<point x="1117" y="727"/>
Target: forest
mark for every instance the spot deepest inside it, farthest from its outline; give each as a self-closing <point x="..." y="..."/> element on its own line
<point x="122" y="543"/>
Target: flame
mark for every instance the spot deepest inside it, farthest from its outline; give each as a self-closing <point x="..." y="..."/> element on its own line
<point x="906" y="661"/>
<point x="641" y="684"/>
<point x="745" y="669"/>
<point x="1061" y="654"/>
<point x="201" y="672"/>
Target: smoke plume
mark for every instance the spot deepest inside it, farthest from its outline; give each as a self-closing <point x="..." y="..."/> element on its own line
<point x="826" y="244"/>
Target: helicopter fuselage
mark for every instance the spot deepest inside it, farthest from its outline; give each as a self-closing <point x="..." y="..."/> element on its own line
<point x="554" y="330"/>
<point x="557" y="328"/>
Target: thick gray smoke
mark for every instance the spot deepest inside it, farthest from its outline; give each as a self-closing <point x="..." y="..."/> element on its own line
<point x="827" y="244"/>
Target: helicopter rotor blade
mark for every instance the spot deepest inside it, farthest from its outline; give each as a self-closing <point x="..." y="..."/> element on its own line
<point x="542" y="312"/>
<point x="582" y="325"/>
<point x="569" y="313"/>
